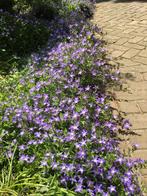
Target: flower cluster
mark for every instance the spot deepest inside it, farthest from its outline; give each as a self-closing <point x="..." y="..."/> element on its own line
<point x="65" y="124"/>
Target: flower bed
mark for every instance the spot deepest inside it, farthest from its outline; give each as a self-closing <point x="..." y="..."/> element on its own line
<point x="61" y="125"/>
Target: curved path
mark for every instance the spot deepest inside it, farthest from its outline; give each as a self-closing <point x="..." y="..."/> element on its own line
<point x="124" y="23"/>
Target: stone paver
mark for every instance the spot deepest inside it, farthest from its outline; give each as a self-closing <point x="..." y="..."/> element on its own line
<point x="124" y="24"/>
<point x="131" y="53"/>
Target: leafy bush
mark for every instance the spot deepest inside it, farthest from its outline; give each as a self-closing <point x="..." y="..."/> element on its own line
<point x="19" y="37"/>
<point x="62" y="122"/>
<point x="48" y="9"/>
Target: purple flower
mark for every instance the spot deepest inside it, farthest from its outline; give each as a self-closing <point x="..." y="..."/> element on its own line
<point x="112" y="189"/>
<point x="24" y="158"/>
<point x="81" y="154"/>
<point x="44" y="163"/>
<point x="98" y="188"/>
<point x="131" y="189"/>
<point x="22" y="147"/>
<point x="54" y="165"/>
<point x="37" y="134"/>
<point x="74" y="127"/>
<point x="126" y="125"/>
<point x="81" y="170"/>
<point x="97" y="161"/>
<point x="79" y="188"/>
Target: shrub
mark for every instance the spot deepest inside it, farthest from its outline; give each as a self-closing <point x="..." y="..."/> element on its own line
<point x="19" y="37"/>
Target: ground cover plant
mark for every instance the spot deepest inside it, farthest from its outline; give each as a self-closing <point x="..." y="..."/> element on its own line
<point x="58" y="133"/>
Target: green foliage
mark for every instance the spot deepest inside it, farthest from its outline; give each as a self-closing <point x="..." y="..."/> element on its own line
<point x="19" y="38"/>
<point x="24" y="182"/>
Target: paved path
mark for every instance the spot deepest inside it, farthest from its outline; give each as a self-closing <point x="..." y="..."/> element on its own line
<point x="124" y="24"/>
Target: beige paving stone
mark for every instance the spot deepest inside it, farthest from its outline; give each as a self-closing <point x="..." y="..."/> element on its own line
<point x="138" y="121"/>
<point x="131" y="96"/>
<point x="118" y="47"/>
<point x="128" y="30"/>
<point x="121" y="41"/>
<point x="141" y="68"/>
<point x="111" y="39"/>
<point x="131" y="53"/>
<point x="138" y="34"/>
<point x="140" y="59"/>
<point x="135" y="46"/>
<point x="131" y="74"/>
<point x="128" y="62"/>
<point x="129" y="107"/>
<point x="143" y="106"/>
<point x="143" y="43"/>
<point x="117" y="53"/>
<point x="136" y="39"/>
<point x="143" y="53"/>
<point x="140" y="86"/>
<point x="140" y="138"/>
<point x="140" y="154"/>
<point x="125" y="35"/>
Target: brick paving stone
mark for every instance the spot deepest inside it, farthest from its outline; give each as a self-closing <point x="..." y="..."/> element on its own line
<point x="122" y="41"/>
<point x="130" y="53"/>
<point x="140" y="86"/>
<point x="143" y="43"/>
<point x="128" y="62"/>
<point x="140" y="153"/>
<point x="118" y="47"/>
<point x="111" y="37"/>
<point x="142" y="67"/>
<point x="136" y="39"/>
<point x="129" y="107"/>
<point x="139" y="121"/>
<point x="128" y="96"/>
<point x="140" y="59"/>
<point x="140" y="138"/>
<point x="131" y="74"/>
<point x="132" y="45"/>
<point x="143" y="53"/>
<point x="128" y="30"/>
<point x="143" y="106"/>
<point x="117" y="53"/>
